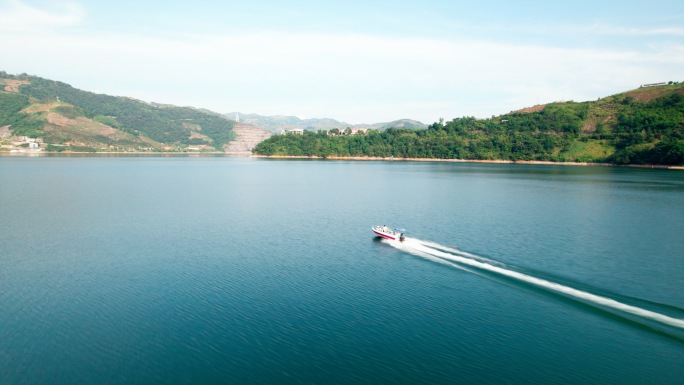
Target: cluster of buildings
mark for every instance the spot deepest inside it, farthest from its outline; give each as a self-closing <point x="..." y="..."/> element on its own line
<point x="333" y="132"/>
<point x="653" y="85"/>
<point x="22" y="144"/>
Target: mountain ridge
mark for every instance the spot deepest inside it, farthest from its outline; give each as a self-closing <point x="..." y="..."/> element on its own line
<point x="279" y="123"/>
<point x="644" y="125"/>
<point x="64" y="118"/>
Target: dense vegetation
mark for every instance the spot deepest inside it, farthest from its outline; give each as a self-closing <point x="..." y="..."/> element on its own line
<point x="641" y="125"/>
<point x="638" y="133"/>
<point x="22" y="124"/>
<point x="164" y="124"/>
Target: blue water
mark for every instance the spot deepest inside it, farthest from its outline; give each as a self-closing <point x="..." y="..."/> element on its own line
<point x="188" y="270"/>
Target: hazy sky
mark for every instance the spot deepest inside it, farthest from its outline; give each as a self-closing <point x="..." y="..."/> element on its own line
<point x="356" y="61"/>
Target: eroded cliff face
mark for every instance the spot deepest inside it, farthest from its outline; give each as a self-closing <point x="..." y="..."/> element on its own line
<point x="248" y="136"/>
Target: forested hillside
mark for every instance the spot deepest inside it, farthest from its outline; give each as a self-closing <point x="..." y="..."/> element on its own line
<point x="644" y="126"/>
<point x="176" y="127"/>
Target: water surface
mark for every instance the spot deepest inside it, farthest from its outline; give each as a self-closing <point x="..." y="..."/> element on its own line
<point x="205" y="270"/>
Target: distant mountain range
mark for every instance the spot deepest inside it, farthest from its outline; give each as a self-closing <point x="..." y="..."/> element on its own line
<point x="279" y="123"/>
<point x="641" y="126"/>
<point x="38" y="114"/>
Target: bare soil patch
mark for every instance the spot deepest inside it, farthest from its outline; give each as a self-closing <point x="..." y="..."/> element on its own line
<point x="528" y="110"/>
<point x="40" y="107"/>
<point x="12" y="85"/>
<point x="647" y="94"/>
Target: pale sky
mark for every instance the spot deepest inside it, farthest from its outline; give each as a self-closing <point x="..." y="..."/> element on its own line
<point x="355" y="61"/>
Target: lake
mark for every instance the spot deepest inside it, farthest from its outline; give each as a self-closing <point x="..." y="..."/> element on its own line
<point x="191" y="270"/>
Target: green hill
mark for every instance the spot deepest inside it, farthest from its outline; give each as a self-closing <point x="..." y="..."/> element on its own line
<point x="66" y="117"/>
<point x="643" y="126"/>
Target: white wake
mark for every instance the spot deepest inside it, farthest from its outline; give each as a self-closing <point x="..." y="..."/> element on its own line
<point x="423" y="248"/>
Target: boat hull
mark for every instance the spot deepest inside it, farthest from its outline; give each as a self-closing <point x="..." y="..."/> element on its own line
<point x="388" y="233"/>
<point x="386" y="236"/>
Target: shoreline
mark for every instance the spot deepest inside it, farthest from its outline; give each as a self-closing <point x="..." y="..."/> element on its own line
<point x="501" y="161"/>
<point x="359" y="158"/>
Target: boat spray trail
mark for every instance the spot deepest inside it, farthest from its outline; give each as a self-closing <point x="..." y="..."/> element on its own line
<point x="405" y="246"/>
<point x="416" y="246"/>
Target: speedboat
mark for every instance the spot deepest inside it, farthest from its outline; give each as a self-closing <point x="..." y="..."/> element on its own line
<point x="389" y="233"/>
